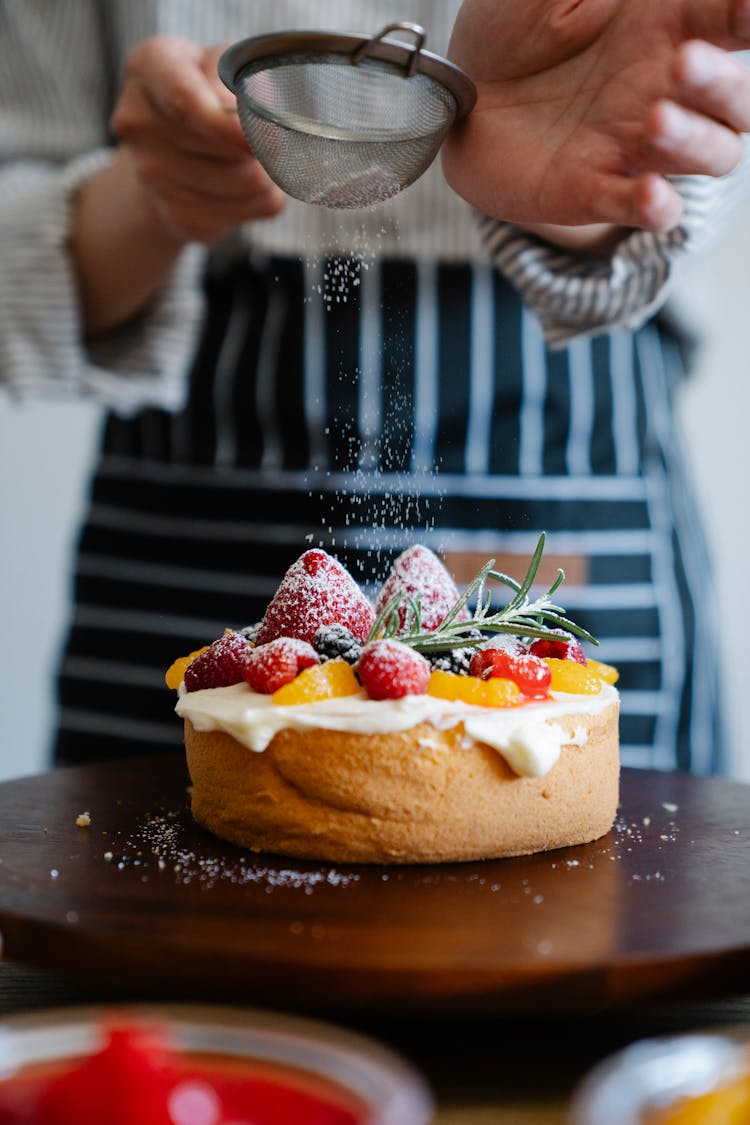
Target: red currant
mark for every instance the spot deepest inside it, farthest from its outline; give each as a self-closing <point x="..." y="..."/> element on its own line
<point x="530" y="673"/>
<point x="567" y="648"/>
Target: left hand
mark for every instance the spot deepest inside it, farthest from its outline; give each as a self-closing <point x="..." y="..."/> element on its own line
<point x="585" y="107"/>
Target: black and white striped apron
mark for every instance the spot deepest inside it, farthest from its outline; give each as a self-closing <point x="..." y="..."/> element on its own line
<point x="364" y="409"/>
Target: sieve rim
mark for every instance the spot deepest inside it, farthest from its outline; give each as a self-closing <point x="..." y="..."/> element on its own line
<point x="235" y="58"/>
<point x="327" y="130"/>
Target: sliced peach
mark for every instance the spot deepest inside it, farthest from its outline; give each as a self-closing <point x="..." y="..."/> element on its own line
<point x="495" y="692"/>
<point x="606" y="672"/>
<point x="321" y="681"/>
<point x="572" y="677"/>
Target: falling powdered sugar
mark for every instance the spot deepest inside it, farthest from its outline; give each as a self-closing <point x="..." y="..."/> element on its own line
<point x="372" y="473"/>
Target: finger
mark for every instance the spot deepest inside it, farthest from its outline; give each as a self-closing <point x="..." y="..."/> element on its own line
<point x="681" y="142"/>
<point x="202" y="219"/>
<point x="714" y="83"/>
<point x="216" y="180"/>
<point x="209" y="65"/>
<point x="137" y="120"/>
<point x="647" y="201"/>
<point x="170" y="71"/>
<point x="657" y="205"/>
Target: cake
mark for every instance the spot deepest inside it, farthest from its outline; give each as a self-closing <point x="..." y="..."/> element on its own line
<point x="413" y="730"/>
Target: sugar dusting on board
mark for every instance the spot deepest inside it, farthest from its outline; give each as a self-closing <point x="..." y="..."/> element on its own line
<point x="158" y="847"/>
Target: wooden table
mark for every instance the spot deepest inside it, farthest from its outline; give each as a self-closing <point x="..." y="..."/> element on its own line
<point x="502" y="982"/>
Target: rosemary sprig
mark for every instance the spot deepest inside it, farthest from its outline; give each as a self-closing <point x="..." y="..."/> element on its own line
<point x="535" y="619"/>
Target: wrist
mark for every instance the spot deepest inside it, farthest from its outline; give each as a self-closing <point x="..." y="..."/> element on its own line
<point x="122" y="250"/>
<point x="144" y="214"/>
<point x="594" y="240"/>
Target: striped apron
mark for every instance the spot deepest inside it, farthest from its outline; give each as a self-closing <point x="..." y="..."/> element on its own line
<point x="364" y="406"/>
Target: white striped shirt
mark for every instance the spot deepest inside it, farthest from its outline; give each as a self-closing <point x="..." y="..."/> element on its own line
<point x="57" y="62"/>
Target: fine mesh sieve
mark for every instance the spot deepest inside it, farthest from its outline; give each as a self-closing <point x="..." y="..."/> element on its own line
<point x="344" y="120"/>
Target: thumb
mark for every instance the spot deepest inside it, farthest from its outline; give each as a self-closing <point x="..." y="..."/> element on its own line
<point x="169" y="71"/>
<point x="209" y="64"/>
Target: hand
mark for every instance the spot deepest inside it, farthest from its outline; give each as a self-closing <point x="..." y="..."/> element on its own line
<point x="178" y="125"/>
<point x="586" y="106"/>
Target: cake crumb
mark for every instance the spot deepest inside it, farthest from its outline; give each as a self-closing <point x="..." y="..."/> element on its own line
<point x="83" y="820"/>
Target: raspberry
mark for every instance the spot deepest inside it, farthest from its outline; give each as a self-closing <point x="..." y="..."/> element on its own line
<point x="221" y="665"/>
<point x="315" y="591"/>
<point x="270" y="666"/>
<point x="530" y="673"/>
<point x="336" y="642"/>
<point x="390" y="670"/>
<point x="566" y="648"/>
<point x="420" y="574"/>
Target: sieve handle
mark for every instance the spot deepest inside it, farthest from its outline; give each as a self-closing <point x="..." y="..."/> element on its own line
<point x="419" y="33"/>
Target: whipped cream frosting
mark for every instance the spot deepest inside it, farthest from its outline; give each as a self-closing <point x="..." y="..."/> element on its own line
<point x="523" y="735"/>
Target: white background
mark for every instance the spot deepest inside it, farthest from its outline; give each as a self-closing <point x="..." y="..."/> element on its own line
<point x="46" y="450"/>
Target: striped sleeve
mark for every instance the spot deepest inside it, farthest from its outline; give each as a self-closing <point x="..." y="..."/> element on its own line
<point x="575" y="296"/>
<point x="53" y="136"/>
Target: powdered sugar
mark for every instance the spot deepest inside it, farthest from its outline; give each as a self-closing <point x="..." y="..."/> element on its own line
<point x="159" y="846"/>
<point x="390" y="670"/>
<point x="419" y="573"/>
<point x="220" y="665"/>
<point x="270" y="666"/>
<point x="315" y="591"/>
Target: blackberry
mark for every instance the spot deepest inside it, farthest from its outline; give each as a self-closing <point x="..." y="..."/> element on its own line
<point x="335" y="641"/>
<point x="457" y="660"/>
<point x="250" y="632"/>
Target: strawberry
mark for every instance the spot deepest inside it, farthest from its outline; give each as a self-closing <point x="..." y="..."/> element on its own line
<point x="389" y="669"/>
<point x="530" y="673"/>
<point x="566" y="648"/>
<point x="315" y="591"/>
<point x="278" y="662"/>
<point x="221" y="665"/>
<point x="419" y="573"/>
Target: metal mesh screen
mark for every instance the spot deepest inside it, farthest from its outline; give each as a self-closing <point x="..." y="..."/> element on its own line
<point x="340" y="134"/>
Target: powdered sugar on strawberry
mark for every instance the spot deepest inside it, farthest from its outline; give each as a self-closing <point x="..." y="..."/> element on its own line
<point x="420" y="575"/>
<point x="388" y="669"/>
<point x="270" y="666"/>
<point x="316" y="590"/>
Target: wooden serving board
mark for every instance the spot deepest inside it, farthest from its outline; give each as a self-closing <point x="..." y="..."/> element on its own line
<point x="145" y="901"/>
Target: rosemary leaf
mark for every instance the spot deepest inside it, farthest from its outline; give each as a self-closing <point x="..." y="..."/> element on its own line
<point x="540" y="619"/>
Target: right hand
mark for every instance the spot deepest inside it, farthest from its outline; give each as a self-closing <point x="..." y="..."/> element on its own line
<point x="177" y="124"/>
<point x="586" y="109"/>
